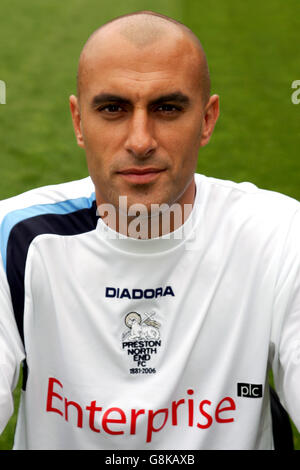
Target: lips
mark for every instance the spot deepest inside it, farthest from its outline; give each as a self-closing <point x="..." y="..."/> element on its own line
<point x="139" y="171"/>
<point x="140" y="175"/>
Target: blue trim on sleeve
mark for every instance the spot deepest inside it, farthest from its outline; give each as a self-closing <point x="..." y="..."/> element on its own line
<point x="19" y="215"/>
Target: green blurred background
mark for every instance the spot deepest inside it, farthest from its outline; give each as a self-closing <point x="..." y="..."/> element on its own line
<point x="253" y="54"/>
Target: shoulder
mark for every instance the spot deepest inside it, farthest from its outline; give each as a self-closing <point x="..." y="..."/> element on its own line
<point x="74" y="191"/>
<point x="40" y="210"/>
<point x="259" y="219"/>
<point x="247" y="198"/>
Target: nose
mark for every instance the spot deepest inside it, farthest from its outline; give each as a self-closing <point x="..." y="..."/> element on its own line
<point x="140" y="141"/>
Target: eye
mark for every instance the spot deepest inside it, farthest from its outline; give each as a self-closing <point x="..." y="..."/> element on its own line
<point x="111" y="108"/>
<point x="168" y="108"/>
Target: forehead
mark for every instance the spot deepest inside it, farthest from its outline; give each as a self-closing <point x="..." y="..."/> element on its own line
<point x="113" y="63"/>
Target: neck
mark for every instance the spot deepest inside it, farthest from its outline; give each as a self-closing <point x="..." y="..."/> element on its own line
<point x="149" y="223"/>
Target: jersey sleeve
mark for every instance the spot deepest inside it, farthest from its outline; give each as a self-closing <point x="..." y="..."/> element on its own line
<point x="11" y="351"/>
<point x="286" y="364"/>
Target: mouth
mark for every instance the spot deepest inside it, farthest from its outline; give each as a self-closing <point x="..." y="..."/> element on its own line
<point x="140" y="175"/>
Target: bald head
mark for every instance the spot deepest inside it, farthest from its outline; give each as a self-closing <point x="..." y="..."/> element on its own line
<point x="141" y="30"/>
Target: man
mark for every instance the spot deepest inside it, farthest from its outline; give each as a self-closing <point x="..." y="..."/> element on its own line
<point x="135" y="341"/>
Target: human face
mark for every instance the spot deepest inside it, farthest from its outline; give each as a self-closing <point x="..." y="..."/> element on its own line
<point x="141" y="120"/>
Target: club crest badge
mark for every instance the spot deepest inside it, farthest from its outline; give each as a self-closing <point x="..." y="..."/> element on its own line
<point x="141" y="328"/>
<point x="141" y="339"/>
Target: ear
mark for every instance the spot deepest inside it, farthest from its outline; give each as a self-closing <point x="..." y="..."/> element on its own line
<point x="210" y="118"/>
<point x="76" y="118"/>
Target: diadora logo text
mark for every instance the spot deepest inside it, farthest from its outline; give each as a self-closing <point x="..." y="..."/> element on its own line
<point x="124" y="293"/>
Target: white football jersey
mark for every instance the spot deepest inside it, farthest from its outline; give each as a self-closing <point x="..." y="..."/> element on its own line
<point x="163" y="343"/>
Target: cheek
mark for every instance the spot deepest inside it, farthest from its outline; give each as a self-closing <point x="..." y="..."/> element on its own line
<point x="92" y="136"/>
<point x="97" y="145"/>
<point x="184" y="137"/>
<point x="191" y="145"/>
<point x="184" y="152"/>
<point x="102" y="141"/>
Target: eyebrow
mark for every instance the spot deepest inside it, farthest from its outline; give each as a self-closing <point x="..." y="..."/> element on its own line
<point x="176" y="97"/>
